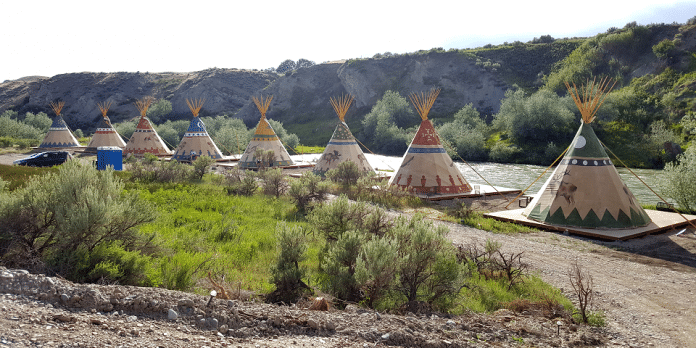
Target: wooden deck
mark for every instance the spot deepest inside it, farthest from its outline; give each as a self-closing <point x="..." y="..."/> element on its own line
<point x="482" y="191"/>
<point x="661" y="221"/>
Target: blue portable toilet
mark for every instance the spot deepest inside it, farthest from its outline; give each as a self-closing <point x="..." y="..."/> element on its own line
<point x="109" y="156"/>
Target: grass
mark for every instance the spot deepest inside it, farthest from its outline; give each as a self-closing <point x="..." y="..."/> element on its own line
<point x="483" y="295"/>
<point x="17" y="176"/>
<point x="477" y="220"/>
<point x="201" y="229"/>
<point x="309" y="149"/>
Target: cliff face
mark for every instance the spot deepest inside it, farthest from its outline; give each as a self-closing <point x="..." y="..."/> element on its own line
<point x="224" y="91"/>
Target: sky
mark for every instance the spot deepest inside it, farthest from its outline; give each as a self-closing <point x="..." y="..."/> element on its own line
<point x="47" y="38"/>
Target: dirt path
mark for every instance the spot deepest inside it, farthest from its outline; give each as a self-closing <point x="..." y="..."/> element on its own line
<point x="647" y="301"/>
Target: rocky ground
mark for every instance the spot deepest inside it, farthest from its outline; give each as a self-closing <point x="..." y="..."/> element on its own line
<point x="645" y="287"/>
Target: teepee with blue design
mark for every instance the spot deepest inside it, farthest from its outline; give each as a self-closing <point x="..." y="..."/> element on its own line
<point x="59" y="135"/>
<point x="342" y="147"/>
<point x="585" y="190"/>
<point x="196" y="141"/>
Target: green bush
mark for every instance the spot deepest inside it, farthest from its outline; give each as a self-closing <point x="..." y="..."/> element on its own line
<point x="201" y="166"/>
<point x="678" y="181"/>
<point x="240" y="182"/>
<point x="346" y="173"/>
<point x="62" y="220"/>
<point x="306" y="190"/>
<point x="273" y="182"/>
<point x="287" y="274"/>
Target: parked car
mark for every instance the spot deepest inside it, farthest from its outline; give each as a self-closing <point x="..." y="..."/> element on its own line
<point x="44" y="159"/>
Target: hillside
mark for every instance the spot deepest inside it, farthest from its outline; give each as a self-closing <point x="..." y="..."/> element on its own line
<point x="301" y="97"/>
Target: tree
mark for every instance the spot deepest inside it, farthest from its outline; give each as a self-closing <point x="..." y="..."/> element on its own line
<point x="304" y="63"/>
<point x="286" y="65"/>
<point x="679" y="180"/>
<point x="201" y="166"/>
<point x="383" y="126"/>
<point x="158" y="110"/>
<point x="665" y="49"/>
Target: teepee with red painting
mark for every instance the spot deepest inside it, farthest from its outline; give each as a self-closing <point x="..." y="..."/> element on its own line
<point x="105" y="135"/>
<point x="145" y="139"/>
<point x="426" y="168"/>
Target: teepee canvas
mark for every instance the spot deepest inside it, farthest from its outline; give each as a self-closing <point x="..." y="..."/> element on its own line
<point x="426" y="167"/>
<point x="264" y="139"/>
<point x="585" y="190"/>
<point x="59" y="135"/>
<point x="105" y="135"/>
<point x="196" y="141"/>
<point x="145" y="138"/>
<point x="342" y="147"/>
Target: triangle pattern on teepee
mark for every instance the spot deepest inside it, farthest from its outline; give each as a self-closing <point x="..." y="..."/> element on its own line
<point x="196" y="141"/>
<point x="342" y="147"/>
<point x="145" y="139"/>
<point x="264" y="139"/>
<point x="585" y="190"/>
<point x="59" y="135"/>
<point x="105" y="135"/>
<point x="426" y="167"/>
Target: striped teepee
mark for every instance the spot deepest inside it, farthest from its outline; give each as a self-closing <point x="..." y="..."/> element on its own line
<point x="426" y="167"/>
<point x="264" y="139"/>
<point x="342" y="146"/>
<point x="145" y="138"/>
<point x="105" y="135"/>
<point x="585" y="190"/>
<point x="196" y="141"/>
<point x="59" y="135"/>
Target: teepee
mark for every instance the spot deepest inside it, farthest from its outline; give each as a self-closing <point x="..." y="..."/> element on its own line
<point x="105" y="135"/>
<point x="196" y="141"/>
<point x="264" y="139"/>
<point x="585" y="190"/>
<point x="342" y="146"/>
<point x="59" y="135"/>
<point x="145" y="138"/>
<point x="426" y="168"/>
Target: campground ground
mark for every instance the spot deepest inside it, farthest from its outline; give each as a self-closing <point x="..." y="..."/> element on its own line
<point x="644" y="286"/>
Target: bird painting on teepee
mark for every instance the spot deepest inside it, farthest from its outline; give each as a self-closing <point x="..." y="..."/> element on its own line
<point x="105" y="135"/>
<point x="59" y="135"/>
<point x="263" y="142"/>
<point x="342" y="147"/>
<point x="426" y="168"/>
<point x="585" y="190"/>
<point x="145" y="139"/>
<point x="196" y="141"/>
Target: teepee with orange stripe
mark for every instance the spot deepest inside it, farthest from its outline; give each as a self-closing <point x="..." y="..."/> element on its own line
<point x="342" y="147"/>
<point x="264" y="139"/>
<point x="59" y="135"/>
<point x="145" y="139"/>
<point x="585" y="190"/>
<point x="105" y="135"/>
<point x="426" y="168"/>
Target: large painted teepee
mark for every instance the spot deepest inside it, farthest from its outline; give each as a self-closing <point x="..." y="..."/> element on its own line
<point x="145" y="139"/>
<point x="585" y="190"/>
<point x="59" y="135"/>
<point x="426" y="168"/>
<point x="342" y="147"/>
<point x="105" y="135"/>
<point x="264" y="139"/>
<point x="196" y="141"/>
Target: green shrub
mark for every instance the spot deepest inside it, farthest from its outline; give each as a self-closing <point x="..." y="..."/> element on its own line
<point x="273" y="182"/>
<point x="376" y="269"/>
<point x="678" y="180"/>
<point x="240" y="182"/>
<point x="338" y="266"/>
<point x="306" y="190"/>
<point x="346" y="173"/>
<point x="201" y="166"/>
<point x="61" y="220"/>
<point x="287" y="274"/>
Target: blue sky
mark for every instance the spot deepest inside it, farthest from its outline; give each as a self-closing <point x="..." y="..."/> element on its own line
<point x="54" y="37"/>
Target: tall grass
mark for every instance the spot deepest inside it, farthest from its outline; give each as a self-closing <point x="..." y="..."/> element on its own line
<point x="201" y="229"/>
